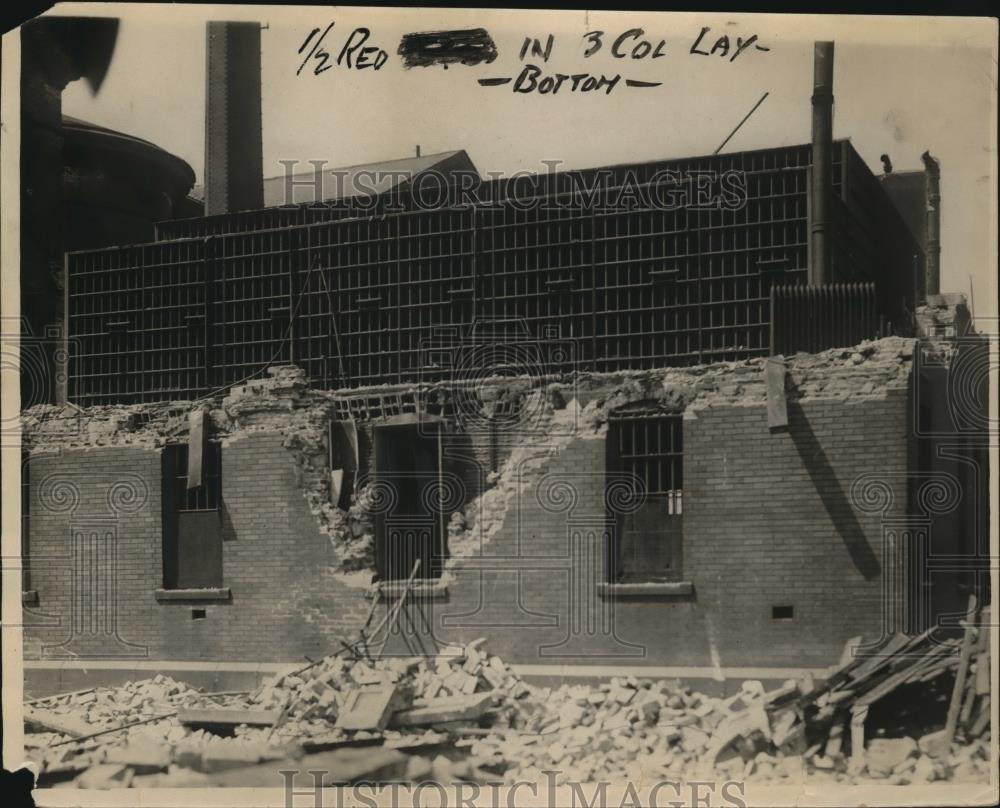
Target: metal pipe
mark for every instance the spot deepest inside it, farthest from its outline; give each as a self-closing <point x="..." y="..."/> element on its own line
<point x="933" y="246"/>
<point x="822" y="163"/>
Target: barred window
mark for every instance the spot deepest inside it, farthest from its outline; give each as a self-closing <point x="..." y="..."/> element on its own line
<point x="192" y="520"/>
<point x="206" y="496"/>
<point x="646" y="450"/>
<point x="650" y="447"/>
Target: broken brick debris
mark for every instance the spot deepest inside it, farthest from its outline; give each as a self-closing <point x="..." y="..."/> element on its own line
<point x="391" y="718"/>
<point x="814" y="725"/>
<point x="142" y="757"/>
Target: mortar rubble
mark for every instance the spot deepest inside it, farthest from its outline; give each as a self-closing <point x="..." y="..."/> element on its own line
<point x="634" y="727"/>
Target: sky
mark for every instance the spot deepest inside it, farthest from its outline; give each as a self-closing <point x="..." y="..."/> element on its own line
<point x="901" y="86"/>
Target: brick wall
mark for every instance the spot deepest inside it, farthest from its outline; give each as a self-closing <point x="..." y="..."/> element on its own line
<point x="94" y="521"/>
<point x="768" y="521"/>
<point x="285" y="601"/>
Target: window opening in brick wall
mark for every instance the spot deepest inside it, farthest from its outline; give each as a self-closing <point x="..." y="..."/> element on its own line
<point x="192" y="520"/>
<point x="410" y="526"/>
<point x="645" y="450"/>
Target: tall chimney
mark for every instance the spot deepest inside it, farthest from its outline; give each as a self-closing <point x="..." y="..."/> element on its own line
<point x="234" y="174"/>
<point x="933" y="245"/>
<point x="822" y="163"/>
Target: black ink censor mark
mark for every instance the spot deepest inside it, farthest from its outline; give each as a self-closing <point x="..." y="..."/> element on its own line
<point x="469" y="47"/>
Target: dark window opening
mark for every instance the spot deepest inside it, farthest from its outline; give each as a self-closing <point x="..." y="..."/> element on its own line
<point x="198" y="614"/>
<point x="205" y="497"/>
<point x="782" y="612"/>
<point x="344" y="447"/>
<point x="645" y="451"/>
<point x="192" y="520"/>
<point x="410" y="526"/>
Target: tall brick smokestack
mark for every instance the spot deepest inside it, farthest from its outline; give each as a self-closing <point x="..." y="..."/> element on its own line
<point x="822" y="163"/>
<point x="234" y="178"/>
<point x="933" y="245"/>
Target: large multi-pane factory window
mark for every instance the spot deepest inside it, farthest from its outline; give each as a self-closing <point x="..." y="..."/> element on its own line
<point x="592" y="280"/>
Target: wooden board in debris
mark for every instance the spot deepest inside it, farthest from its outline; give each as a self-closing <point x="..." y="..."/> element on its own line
<point x="444" y="711"/>
<point x="49" y="721"/>
<point x="223" y="718"/>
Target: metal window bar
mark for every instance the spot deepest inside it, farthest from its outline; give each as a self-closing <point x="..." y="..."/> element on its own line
<point x="650" y="447"/>
<point x="208" y="495"/>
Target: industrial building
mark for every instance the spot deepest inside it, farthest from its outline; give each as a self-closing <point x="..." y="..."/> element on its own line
<point x="698" y="438"/>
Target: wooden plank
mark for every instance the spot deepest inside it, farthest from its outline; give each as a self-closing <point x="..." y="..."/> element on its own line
<point x="840" y="695"/>
<point x="935" y="671"/>
<point x="982" y="681"/>
<point x="343" y="458"/>
<point x="847" y="656"/>
<point x="57" y="696"/>
<point x="963" y="669"/>
<point x="983" y="719"/>
<point x="339" y="766"/>
<point x="858" y="717"/>
<point x="969" y="698"/>
<point x="439" y="711"/>
<point x="883" y="656"/>
<point x="937" y="661"/>
<point x="336" y="484"/>
<point x="835" y="740"/>
<point x="898" y="652"/>
<point x="196" y="447"/>
<point x="227" y="717"/>
<point x="49" y="721"/>
<point x="887" y="685"/>
<point x="777" y="406"/>
<point x="313" y="745"/>
<point x="108" y="731"/>
<point x="903" y="675"/>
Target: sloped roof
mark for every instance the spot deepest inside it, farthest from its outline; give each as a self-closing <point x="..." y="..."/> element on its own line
<point x="365" y="179"/>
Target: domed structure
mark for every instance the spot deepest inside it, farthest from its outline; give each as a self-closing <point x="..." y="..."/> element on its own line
<point x="116" y="186"/>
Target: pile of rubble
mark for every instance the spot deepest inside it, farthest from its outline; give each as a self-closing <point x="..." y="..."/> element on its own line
<point x="495" y="727"/>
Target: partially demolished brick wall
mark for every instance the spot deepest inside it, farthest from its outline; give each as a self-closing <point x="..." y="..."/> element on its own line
<point x="951" y="445"/>
<point x="769" y="516"/>
<point x="770" y="519"/>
